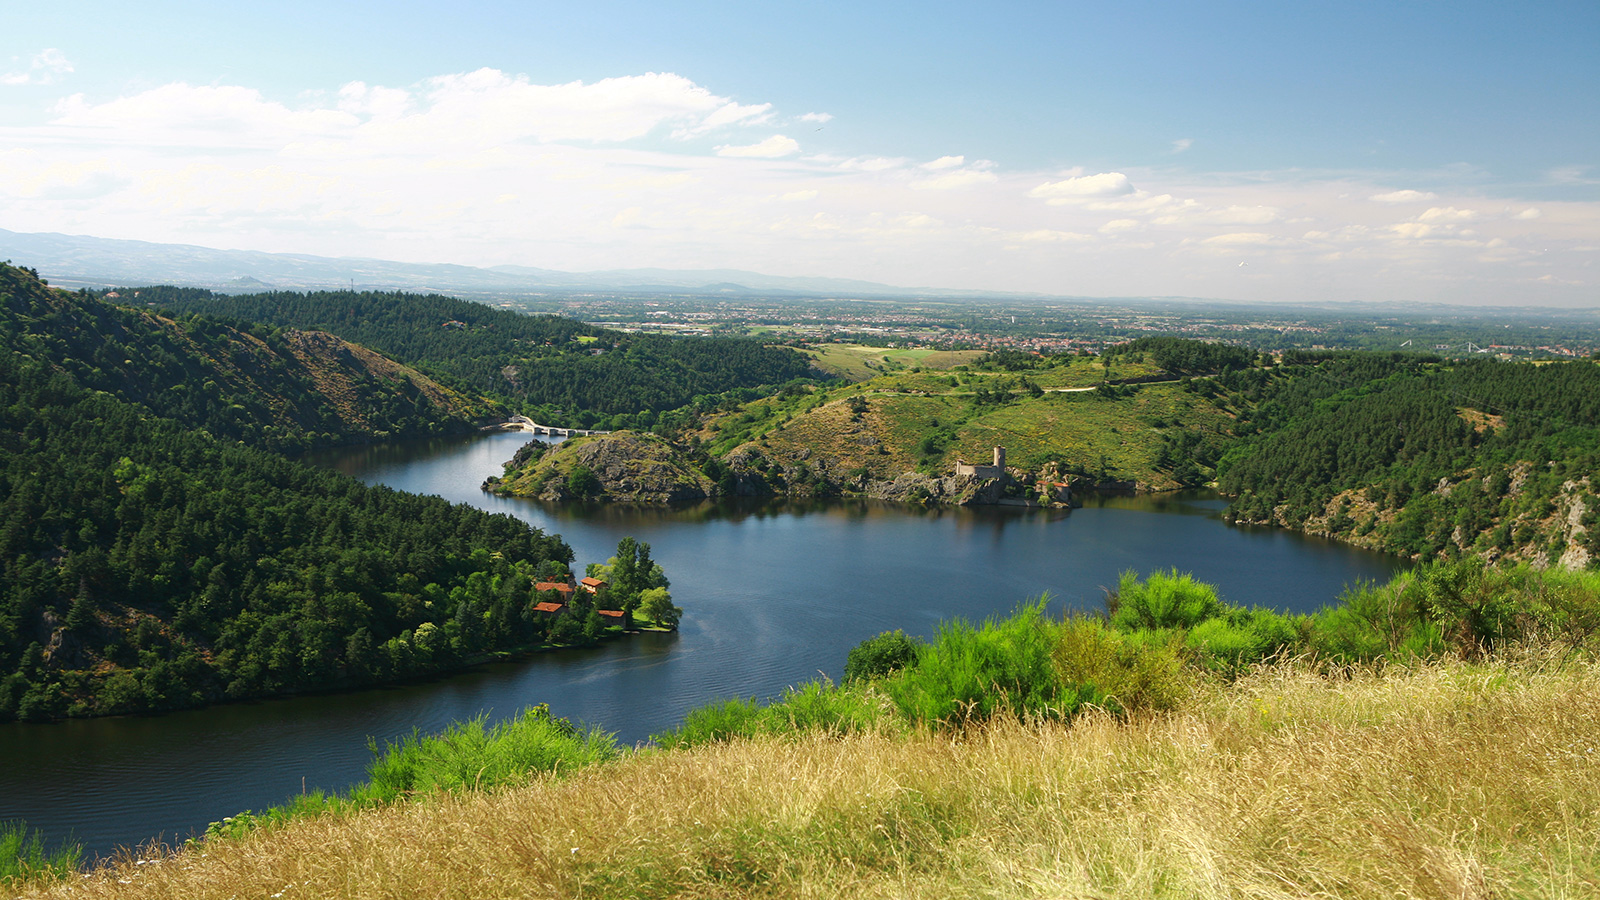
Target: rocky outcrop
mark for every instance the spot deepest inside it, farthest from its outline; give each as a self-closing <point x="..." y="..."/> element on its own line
<point x="625" y="466"/>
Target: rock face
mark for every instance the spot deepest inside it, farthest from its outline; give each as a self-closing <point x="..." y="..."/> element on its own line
<point x="958" y="490"/>
<point x="625" y="466"/>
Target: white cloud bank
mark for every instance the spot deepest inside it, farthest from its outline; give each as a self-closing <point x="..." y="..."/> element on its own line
<point x="45" y="67"/>
<point x="484" y="168"/>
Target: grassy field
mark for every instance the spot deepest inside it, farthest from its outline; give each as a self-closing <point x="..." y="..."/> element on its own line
<point x="859" y="363"/>
<point x="1119" y="436"/>
<point x="1449" y="780"/>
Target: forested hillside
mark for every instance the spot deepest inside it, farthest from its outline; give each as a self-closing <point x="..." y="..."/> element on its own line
<point x="150" y="558"/>
<point x="280" y="389"/>
<point x="146" y="566"/>
<point x="557" y="369"/>
<point x="1417" y="457"/>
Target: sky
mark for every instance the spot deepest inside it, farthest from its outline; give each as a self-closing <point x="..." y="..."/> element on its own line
<point x="1396" y="152"/>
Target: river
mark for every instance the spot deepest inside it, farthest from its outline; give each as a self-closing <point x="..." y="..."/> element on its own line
<point x="774" y="594"/>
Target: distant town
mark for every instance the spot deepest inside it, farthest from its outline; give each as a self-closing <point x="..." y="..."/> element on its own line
<point x="1087" y="326"/>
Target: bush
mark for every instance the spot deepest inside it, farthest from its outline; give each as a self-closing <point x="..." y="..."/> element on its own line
<point x="883" y="655"/>
<point x="1164" y="600"/>
<point x="816" y="706"/>
<point x="469" y="755"/>
<point x="1130" y="672"/>
<point x="970" y="674"/>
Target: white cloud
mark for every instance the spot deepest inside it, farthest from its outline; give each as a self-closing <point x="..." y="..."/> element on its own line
<point x="484" y="168"/>
<point x="871" y="164"/>
<point x="1191" y="213"/>
<point x="732" y="114"/>
<point x="954" y="180"/>
<point x="1406" y="196"/>
<point x="771" y="148"/>
<point x="1182" y="144"/>
<point x="42" y="69"/>
<point x="1072" y="190"/>
<point x="1447" y="214"/>
<point x="1051" y="236"/>
<point x="1412" y="230"/>
<point x="1573" y="175"/>
<point x="819" y="118"/>
<point x="1243" y="239"/>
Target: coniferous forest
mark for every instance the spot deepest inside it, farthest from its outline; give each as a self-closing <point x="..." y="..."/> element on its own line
<point x="152" y="561"/>
<point x="561" y="370"/>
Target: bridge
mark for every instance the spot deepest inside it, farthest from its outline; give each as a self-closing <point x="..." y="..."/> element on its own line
<point x="523" y="423"/>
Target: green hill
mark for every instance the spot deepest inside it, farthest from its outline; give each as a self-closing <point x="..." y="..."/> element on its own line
<point x="151" y="559"/>
<point x="560" y="371"/>
<point x="272" y="388"/>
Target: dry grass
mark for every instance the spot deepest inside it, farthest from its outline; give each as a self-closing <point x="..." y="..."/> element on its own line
<point x="1449" y="781"/>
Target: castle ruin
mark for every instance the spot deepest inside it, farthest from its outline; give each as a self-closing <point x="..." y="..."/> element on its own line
<point x="998" y="470"/>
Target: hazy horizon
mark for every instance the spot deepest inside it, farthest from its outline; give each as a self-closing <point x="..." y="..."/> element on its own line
<point x="1361" y="153"/>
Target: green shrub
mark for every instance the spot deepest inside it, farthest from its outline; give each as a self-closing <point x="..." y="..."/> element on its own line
<point x="1130" y="672"/>
<point x="970" y="674"/>
<point x="23" y="855"/>
<point x="1370" y="621"/>
<point x="713" y="722"/>
<point x="878" y="656"/>
<point x="1243" y="637"/>
<point x="1164" y="600"/>
<point x="469" y="755"/>
<point x="816" y="706"/>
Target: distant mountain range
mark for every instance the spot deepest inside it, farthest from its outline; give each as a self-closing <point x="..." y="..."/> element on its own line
<point x="80" y="261"/>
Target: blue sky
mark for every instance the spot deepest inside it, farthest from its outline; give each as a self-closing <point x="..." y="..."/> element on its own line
<point x="1396" y="152"/>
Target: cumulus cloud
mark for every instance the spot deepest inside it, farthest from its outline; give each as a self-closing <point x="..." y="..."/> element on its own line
<point x="870" y="164"/>
<point x="486" y="106"/>
<point x="1085" y="187"/>
<point x="954" y="179"/>
<point x="486" y="168"/>
<point x="44" y="68"/>
<point x="1406" y="196"/>
<point x="1050" y="236"/>
<point x="1243" y="239"/>
<point x="771" y="148"/>
<point x="1447" y="214"/>
<point x="1412" y="230"/>
<point x="819" y="118"/>
<point x="1191" y="213"/>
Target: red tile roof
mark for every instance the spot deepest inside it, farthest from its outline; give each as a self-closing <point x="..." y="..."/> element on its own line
<point x="613" y="613"/>
<point x="549" y="607"/>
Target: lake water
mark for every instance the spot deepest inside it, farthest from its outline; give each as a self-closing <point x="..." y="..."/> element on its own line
<point x="774" y="594"/>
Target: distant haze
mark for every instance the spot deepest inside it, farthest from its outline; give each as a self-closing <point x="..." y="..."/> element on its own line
<point x="1387" y="153"/>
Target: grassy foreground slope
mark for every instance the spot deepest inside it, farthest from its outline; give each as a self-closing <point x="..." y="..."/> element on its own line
<point x="1450" y="780"/>
<point x="1440" y="742"/>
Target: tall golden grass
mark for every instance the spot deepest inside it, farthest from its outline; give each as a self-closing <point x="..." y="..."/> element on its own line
<point x="1448" y="780"/>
